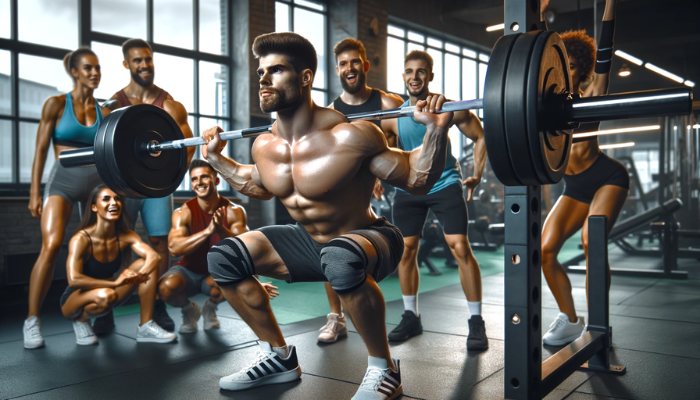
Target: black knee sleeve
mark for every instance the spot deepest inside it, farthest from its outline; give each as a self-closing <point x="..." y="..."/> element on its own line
<point x="230" y="262"/>
<point x="343" y="262"/>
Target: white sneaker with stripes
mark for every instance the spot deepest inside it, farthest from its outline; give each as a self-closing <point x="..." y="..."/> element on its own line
<point x="268" y="368"/>
<point x="380" y="383"/>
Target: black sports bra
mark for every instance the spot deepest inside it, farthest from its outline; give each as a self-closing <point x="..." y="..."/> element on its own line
<point x="102" y="270"/>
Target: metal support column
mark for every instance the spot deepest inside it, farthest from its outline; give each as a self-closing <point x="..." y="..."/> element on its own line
<point x="523" y="325"/>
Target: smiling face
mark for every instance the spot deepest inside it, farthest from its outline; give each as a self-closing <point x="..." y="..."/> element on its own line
<point x="417" y="76"/>
<point x="280" y="85"/>
<point x="140" y="65"/>
<point x="87" y="71"/>
<point x="108" y="205"/>
<point x="352" y="70"/>
<point x="204" y="181"/>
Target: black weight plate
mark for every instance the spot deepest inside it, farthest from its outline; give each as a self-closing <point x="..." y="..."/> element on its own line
<point x="514" y="111"/>
<point x="494" y="131"/>
<point x="104" y="130"/>
<point x="548" y="83"/>
<point x="131" y="169"/>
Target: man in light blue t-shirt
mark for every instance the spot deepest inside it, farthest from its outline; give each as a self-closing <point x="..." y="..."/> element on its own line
<point x="447" y="202"/>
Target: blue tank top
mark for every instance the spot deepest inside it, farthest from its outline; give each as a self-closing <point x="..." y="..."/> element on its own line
<point x="411" y="134"/>
<point x="70" y="132"/>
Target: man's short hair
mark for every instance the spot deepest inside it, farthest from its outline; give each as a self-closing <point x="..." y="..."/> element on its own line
<point x="350" y="44"/>
<point x="198" y="163"/>
<point x="134" y="44"/>
<point x="581" y="47"/>
<point x="299" y="51"/>
<point x="419" y="55"/>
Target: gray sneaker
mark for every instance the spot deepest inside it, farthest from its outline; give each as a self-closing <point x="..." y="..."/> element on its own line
<point x="190" y="316"/>
<point x="150" y="332"/>
<point x="84" y="335"/>
<point x="562" y="332"/>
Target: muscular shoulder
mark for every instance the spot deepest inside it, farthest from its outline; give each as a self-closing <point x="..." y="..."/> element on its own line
<point x="78" y="243"/>
<point x="183" y="213"/>
<point x="360" y="135"/>
<point x="53" y="105"/>
<point x="261" y="142"/>
<point x="390" y="101"/>
<point x="237" y="212"/>
<point x="175" y="109"/>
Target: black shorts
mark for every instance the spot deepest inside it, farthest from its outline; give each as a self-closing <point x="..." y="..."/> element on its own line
<point x="448" y="205"/>
<point x="66" y="294"/>
<point x="604" y="171"/>
<point x="302" y="255"/>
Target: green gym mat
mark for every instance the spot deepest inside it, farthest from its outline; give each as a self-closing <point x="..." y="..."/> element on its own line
<point x="307" y="300"/>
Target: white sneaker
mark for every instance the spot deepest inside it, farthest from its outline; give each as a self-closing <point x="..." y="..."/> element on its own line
<point x="209" y="316"/>
<point x="561" y="331"/>
<point x="190" y="316"/>
<point x="32" y="333"/>
<point x="268" y="368"/>
<point x="380" y="383"/>
<point x="84" y="335"/>
<point x="150" y="332"/>
<point x="335" y="328"/>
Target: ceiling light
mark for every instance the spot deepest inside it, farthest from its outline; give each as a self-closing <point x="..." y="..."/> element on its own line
<point x="630" y="58"/>
<point x="495" y="27"/>
<point x="689" y="83"/>
<point x="624" y="70"/>
<point x="618" y="130"/>
<point x="616" y="145"/>
<point x="664" y="73"/>
<point x="696" y="126"/>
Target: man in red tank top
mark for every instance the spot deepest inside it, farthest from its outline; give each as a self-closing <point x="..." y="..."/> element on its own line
<point x="155" y="213"/>
<point x="197" y="226"/>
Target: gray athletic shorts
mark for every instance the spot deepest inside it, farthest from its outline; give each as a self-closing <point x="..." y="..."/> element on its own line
<point x="73" y="184"/>
<point x="196" y="283"/>
<point x="302" y="255"/>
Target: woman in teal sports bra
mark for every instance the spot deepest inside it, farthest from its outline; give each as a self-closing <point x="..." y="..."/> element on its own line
<point x="70" y="121"/>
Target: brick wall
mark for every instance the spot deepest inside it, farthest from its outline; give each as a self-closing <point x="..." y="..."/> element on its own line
<point x="375" y="44"/>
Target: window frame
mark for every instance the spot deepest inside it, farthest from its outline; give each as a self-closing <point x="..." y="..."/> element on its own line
<point x="290" y="15"/>
<point x="86" y="37"/>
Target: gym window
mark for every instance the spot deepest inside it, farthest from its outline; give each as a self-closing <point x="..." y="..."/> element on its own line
<point x="191" y="59"/>
<point x="307" y="18"/>
<point x="459" y="62"/>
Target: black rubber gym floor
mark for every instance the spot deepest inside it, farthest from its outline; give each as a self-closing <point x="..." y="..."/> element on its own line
<point x="656" y="335"/>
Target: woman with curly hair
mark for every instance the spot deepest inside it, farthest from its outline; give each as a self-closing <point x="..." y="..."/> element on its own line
<point x="595" y="184"/>
<point x="95" y="256"/>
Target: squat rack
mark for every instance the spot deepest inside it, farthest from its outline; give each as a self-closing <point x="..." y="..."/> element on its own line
<point x="526" y="376"/>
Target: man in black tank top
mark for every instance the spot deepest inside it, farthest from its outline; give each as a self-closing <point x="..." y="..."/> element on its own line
<point x="352" y="66"/>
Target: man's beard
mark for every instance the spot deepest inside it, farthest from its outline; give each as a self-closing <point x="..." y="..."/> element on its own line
<point x="279" y="100"/>
<point x="142" y="82"/>
<point x="359" y="83"/>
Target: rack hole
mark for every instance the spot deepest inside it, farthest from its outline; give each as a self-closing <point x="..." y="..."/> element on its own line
<point x="515" y="259"/>
<point x="535" y="230"/>
<point x="514" y="27"/>
<point x="534" y="206"/>
<point x="535" y="323"/>
<point x="533" y="6"/>
<point x="515" y="208"/>
<point x="515" y="382"/>
<point x="535" y="258"/>
<point x="535" y="294"/>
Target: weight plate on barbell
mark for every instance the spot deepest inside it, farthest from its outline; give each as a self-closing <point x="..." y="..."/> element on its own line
<point x="494" y="131"/>
<point x="548" y="82"/>
<point x="514" y="109"/>
<point x="124" y="163"/>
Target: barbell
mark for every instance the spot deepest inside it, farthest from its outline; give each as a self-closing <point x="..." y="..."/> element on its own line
<point x="529" y="117"/>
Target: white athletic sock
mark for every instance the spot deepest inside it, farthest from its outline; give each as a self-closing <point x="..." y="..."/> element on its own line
<point x="377" y="362"/>
<point x="282" y="351"/>
<point x="474" y="307"/>
<point x="410" y="303"/>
